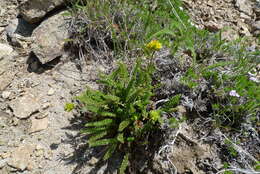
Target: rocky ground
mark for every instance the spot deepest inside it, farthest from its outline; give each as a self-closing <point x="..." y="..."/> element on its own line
<point x="35" y="129"/>
<point x="37" y="77"/>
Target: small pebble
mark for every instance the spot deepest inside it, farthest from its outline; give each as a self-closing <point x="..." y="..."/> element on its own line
<point x="45" y="106"/>
<point x="51" y="92"/>
<point x="39" y="153"/>
<point x="93" y="161"/>
<point x="2" y="163"/>
<point x="181" y="110"/>
<point x="15" y="121"/>
<point x="6" y="94"/>
<point x="48" y="154"/>
<point x="5" y="155"/>
<point x="31" y="166"/>
<point x="39" y="147"/>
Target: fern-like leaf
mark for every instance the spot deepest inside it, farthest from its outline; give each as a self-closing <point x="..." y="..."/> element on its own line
<point x="102" y="142"/>
<point x="92" y="108"/>
<point x="120" y="137"/>
<point x="111" y="149"/>
<point x="123" y="73"/>
<point x="111" y="98"/>
<point x="134" y="95"/>
<point x="97" y="136"/>
<point x="107" y="114"/>
<point x="124" y="164"/>
<point x="104" y="122"/>
<point x="93" y="130"/>
<point x="123" y="125"/>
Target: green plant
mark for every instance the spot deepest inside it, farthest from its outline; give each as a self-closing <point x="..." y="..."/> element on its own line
<point x="121" y="113"/>
<point x="234" y="95"/>
<point x="174" y="123"/>
<point x="69" y="107"/>
<point x="228" y="172"/>
<point x="257" y="166"/>
<point x="232" y="151"/>
<point x="226" y="166"/>
<point x="191" y="78"/>
<point x="125" y="26"/>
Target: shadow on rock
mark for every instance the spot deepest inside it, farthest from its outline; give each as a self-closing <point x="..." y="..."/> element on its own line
<point x="21" y="27"/>
<point x="87" y="159"/>
<point x="34" y="65"/>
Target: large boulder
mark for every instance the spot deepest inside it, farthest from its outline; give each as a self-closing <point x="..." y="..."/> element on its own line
<point x="49" y="38"/>
<point x="34" y="10"/>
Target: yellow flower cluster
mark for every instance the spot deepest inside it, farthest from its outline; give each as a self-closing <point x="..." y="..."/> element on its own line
<point x="154" y="45"/>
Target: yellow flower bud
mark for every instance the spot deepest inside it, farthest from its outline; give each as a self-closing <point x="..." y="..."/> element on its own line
<point x="154" y="45"/>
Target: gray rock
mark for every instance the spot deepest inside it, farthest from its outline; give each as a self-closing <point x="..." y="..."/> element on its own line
<point x="244" y="28"/>
<point x="256" y="26"/>
<point x="5" y="80"/>
<point x="5" y="155"/>
<point x="5" y="171"/>
<point x="6" y="76"/>
<point x="5" y="50"/>
<point x="257" y="12"/>
<point x="19" y="31"/>
<point x="229" y="34"/>
<point x="245" y="16"/>
<point x="34" y="10"/>
<point x="256" y="33"/>
<point x="21" y="157"/>
<point x="39" y="124"/>
<point x="23" y="107"/>
<point x="39" y="150"/>
<point x="244" y="6"/>
<point x="2" y="29"/>
<point x="93" y="161"/>
<point x="49" y="38"/>
<point x="45" y="105"/>
<point x="51" y="92"/>
<point x="3" y="163"/>
<point x="6" y="94"/>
